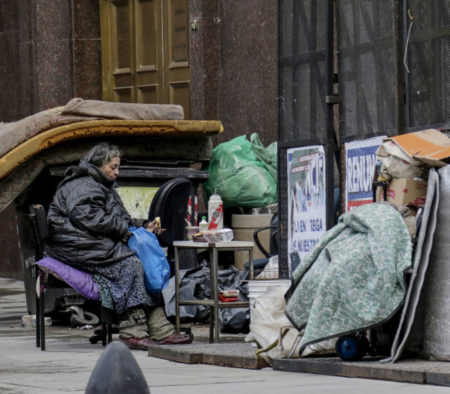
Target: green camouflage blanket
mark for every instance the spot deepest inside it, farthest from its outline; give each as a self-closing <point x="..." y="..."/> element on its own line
<point x="354" y="278"/>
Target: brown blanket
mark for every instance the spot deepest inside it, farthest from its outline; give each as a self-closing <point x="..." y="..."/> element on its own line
<point x="79" y="110"/>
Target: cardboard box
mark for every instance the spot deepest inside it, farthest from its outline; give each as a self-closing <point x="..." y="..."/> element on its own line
<point x="404" y="191"/>
<point x="429" y="146"/>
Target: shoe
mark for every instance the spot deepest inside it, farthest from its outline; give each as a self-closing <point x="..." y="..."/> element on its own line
<point x="176" y="339"/>
<point x="137" y="343"/>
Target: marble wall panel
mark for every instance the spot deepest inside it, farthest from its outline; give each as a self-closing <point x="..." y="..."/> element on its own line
<point x="9" y="15"/>
<point x="52" y="52"/>
<point x="86" y="20"/>
<point x="15" y="28"/>
<point x="53" y="20"/>
<point x="87" y="76"/>
<point x="10" y="262"/>
<point x="203" y="8"/>
<point x="53" y="73"/>
<point x="248" y="87"/>
<point x="205" y="68"/>
<point x="9" y="93"/>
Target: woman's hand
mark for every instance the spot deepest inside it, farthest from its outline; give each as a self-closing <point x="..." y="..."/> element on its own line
<point x="126" y="236"/>
<point x="154" y="228"/>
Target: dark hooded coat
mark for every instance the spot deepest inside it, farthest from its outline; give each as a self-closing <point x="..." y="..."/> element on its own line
<point x="87" y="219"/>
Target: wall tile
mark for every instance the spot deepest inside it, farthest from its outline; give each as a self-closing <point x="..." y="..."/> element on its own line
<point x="86" y="17"/>
<point x="87" y="69"/>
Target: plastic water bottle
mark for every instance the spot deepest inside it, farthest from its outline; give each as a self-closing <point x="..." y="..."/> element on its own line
<point x="215" y="212"/>
<point x="203" y="225"/>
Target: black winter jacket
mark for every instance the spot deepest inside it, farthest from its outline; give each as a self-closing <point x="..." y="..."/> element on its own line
<point x="87" y="219"/>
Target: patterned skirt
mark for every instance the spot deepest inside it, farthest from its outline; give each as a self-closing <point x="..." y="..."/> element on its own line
<point x="122" y="287"/>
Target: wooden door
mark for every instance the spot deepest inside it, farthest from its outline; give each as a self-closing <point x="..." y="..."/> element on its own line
<point x="145" y="51"/>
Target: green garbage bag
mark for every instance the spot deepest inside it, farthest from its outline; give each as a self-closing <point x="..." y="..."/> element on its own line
<point x="244" y="173"/>
<point x="268" y="156"/>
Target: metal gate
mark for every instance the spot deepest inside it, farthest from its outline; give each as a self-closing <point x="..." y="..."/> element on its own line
<point x="388" y="62"/>
<point x="369" y="54"/>
<point x="427" y="76"/>
<point x="305" y="82"/>
<point x="394" y="57"/>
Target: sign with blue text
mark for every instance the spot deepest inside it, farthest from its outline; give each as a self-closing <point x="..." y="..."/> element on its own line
<point x="360" y="162"/>
<point x="306" y="200"/>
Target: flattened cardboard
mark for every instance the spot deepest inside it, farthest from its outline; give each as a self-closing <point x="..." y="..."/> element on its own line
<point x="429" y="146"/>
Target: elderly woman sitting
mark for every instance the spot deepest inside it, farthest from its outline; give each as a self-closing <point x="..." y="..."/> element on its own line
<point x="89" y="229"/>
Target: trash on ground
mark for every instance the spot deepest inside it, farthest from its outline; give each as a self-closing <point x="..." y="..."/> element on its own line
<point x="30" y="321"/>
<point x="195" y="285"/>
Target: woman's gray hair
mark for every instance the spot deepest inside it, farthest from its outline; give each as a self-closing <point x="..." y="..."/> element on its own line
<point x="101" y="154"/>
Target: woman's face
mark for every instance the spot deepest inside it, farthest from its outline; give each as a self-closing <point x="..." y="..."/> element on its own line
<point x="111" y="169"/>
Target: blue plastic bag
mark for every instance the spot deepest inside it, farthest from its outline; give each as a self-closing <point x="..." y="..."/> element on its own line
<point x="149" y="251"/>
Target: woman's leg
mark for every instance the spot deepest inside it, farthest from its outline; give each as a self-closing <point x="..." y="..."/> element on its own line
<point x="158" y="325"/>
<point x="135" y="326"/>
<point x="122" y="285"/>
<point x="133" y="331"/>
<point x="162" y="332"/>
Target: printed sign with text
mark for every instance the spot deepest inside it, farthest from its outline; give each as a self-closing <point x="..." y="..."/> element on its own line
<point x="306" y="200"/>
<point x="360" y="162"/>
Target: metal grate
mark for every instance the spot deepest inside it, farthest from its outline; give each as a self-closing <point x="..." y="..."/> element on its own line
<point x="283" y="212"/>
<point x="368" y="62"/>
<point x="303" y="79"/>
<point x="393" y="58"/>
<point x="305" y="74"/>
<point x="428" y="81"/>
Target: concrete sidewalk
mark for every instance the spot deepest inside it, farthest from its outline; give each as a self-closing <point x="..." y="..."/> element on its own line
<point x="69" y="360"/>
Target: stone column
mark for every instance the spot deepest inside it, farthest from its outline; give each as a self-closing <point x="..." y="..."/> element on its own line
<point x="52" y="52"/>
<point x="204" y="50"/>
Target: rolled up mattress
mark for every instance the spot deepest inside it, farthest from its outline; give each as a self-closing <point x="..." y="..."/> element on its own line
<point x="437" y="308"/>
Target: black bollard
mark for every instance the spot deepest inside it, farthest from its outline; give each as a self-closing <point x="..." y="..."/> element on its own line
<point x="117" y="372"/>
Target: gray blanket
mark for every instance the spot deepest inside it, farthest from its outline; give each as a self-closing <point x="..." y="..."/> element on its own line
<point x="354" y="278"/>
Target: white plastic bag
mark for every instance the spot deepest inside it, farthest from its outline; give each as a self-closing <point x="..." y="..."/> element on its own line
<point x="274" y="334"/>
<point x="267" y="319"/>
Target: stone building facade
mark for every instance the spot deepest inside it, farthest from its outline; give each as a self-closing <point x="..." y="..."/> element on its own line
<point x="52" y="51"/>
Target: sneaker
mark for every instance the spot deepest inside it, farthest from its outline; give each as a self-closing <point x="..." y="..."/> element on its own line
<point x="176" y="339"/>
<point x="137" y="343"/>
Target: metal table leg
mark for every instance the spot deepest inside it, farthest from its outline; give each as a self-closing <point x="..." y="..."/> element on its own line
<point x="211" y="308"/>
<point x="215" y="290"/>
<point x="177" y="289"/>
<point x="250" y="259"/>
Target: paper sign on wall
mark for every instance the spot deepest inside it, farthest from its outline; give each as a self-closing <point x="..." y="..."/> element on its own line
<point x="306" y="200"/>
<point x="360" y="161"/>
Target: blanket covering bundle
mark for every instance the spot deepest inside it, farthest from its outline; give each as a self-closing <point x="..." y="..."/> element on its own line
<point x="354" y="278"/>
